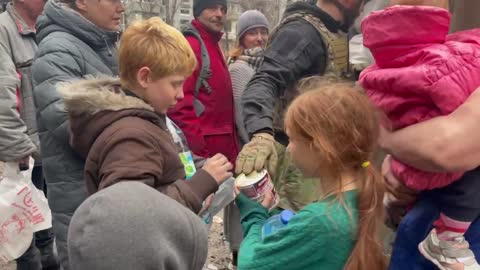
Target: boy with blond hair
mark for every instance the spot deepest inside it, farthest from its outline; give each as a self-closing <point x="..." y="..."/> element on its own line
<point x="119" y="126"/>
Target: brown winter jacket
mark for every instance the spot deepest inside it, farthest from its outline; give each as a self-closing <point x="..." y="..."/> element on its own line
<point x="123" y="139"/>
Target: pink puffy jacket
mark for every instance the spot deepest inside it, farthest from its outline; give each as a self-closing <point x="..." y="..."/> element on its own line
<point x="421" y="72"/>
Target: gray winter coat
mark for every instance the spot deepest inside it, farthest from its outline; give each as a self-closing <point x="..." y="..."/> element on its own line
<point x="18" y="129"/>
<point x="70" y="47"/>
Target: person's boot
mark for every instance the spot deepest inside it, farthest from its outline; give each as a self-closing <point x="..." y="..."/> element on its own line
<point x="30" y="260"/>
<point x="49" y="259"/>
<point x="46" y="244"/>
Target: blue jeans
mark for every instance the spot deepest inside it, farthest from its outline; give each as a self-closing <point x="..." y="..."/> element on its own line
<point x="415" y="227"/>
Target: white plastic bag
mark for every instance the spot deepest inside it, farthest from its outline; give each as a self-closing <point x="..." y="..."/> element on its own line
<point x="23" y="211"/>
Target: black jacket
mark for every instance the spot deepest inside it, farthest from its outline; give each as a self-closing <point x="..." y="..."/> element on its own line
<point x="297" y="51"/>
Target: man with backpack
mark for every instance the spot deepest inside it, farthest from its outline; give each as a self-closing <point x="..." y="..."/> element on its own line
<point x="206" y="114"/>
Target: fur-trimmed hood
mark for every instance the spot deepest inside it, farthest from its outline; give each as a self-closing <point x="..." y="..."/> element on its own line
<point x="94" y="95"/>
<point x="95" y="104"/>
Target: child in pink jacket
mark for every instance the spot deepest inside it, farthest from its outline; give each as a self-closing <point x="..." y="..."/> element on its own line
<point x="421" y="72"/>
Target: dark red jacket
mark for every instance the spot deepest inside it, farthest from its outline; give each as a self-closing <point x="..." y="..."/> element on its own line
<point x="214" y="131"/>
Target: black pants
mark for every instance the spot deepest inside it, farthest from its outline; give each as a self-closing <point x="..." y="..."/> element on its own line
<point x="42" y="242"/>
<point x="461" y="199"/>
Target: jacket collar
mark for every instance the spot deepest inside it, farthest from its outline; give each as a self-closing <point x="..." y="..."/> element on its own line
<point x="95" y="95"/>
<point x="58" y="17"/>
<point x="22" y="27"/>
<point x="95" y="104"/>
<point x="205" y="34"/>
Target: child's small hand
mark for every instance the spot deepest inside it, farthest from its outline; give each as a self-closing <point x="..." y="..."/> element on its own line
<point x="208" y="202"/>
<point x="268" y="201"/>
<point x="219" y="168"/>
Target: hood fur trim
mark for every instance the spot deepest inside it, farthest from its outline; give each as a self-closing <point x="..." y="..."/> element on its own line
<point x="91" y="96"/>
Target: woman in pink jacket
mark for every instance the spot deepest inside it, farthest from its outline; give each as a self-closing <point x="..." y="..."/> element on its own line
<point x="421" y="72"/>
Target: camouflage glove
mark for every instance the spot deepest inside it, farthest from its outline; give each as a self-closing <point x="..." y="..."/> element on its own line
<point x="256" y="153"/>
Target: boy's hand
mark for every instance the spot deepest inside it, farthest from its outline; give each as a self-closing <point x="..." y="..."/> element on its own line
<point x="219" y="168"/>
<point x="208" y="202"/>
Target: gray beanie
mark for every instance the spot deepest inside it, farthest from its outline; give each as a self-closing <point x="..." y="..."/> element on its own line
<point x="133" y="226"/>
<point x="250" y="19"/>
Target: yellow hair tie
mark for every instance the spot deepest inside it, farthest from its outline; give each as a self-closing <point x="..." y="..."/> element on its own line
<point x="366" y="164"/>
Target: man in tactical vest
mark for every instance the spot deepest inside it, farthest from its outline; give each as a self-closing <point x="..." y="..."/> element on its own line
<point x="310" y="40"/>
<point x="206" y="114"/>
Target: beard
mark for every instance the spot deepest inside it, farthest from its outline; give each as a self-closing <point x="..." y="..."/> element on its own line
<point x="349" y="14"/>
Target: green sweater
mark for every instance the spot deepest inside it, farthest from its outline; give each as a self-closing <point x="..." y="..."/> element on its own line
<point x="321" y="236"/>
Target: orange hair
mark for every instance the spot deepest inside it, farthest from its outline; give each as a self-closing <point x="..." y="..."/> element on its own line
<point x="342" y="126"/>
<point x="154" y="44"/>
<point x="237" y="51"/>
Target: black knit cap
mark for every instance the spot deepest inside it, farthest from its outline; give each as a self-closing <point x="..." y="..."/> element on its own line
<point x="200" y="5"/>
